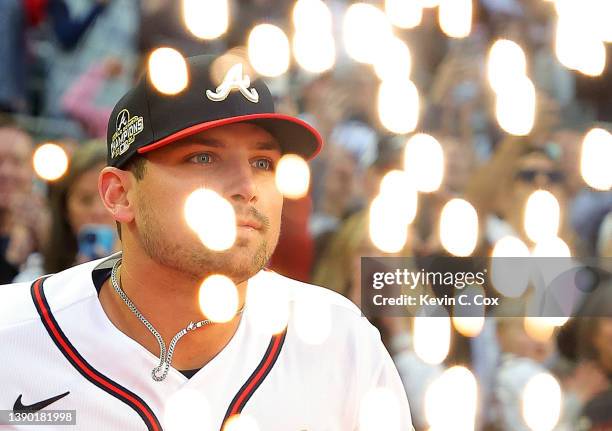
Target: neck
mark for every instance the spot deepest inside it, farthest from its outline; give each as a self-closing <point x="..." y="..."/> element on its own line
<point x="168" y="299"/>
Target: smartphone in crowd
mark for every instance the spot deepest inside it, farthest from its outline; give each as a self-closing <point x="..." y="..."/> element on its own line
<point x="96" y="241"/>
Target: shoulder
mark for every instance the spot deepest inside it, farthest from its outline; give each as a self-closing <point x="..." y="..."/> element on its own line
<point x="16" y="305"/>
<point x="318" y="305"/>
<point x="302" y="294"/>
<point x="18" y="300"/>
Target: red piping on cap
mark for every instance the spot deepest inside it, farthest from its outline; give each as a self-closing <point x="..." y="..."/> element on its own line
<point x="231" y="120"/>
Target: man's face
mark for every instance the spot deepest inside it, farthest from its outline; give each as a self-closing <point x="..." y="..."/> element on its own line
<point x="15" y="165"/>
<point x="238" y="162"/>
<point x="536" y="171"/>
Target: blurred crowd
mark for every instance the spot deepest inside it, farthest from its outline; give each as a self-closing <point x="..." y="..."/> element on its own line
<point x="64" y="63"/>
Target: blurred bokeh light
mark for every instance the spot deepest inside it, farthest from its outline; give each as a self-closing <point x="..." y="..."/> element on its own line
<point x="206" y="19"/>
<point x="168" y="71"/>
<point x="268" y="49"/>
<point x="292" y="176"/>
<point x="218" y="298"/>
<point x="212" y="217"/>
<point x="50" y="162"/>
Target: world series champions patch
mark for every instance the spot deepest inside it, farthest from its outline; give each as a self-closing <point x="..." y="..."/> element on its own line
<point x="126" y="130"/>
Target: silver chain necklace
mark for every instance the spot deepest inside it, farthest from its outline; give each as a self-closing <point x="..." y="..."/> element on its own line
<point x="160" y="372"/>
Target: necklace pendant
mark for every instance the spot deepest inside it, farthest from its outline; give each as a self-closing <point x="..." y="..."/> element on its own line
<point x="158" y="377"/>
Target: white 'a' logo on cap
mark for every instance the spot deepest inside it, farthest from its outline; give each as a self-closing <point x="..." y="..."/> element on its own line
<point x="234" y="80"/>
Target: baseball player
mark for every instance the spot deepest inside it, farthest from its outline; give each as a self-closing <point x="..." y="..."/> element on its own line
<point x="122" y="341"/>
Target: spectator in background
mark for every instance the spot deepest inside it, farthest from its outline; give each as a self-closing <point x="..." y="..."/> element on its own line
<point x="12" y="49"/>
<point x="67" y="29"/>
<point x="113" y="34"/>
<point x="523" y="356"/>
<point x="15" y="18"/>
<point x="604" y="243"/>
<point x="500" y="188"/>
<point x="594" y="348"/>
<point x="568" y="142"/>
<point x="337" y="193"/>
<point x="81" y="228"/>
<point x="162" y="24"/>
<point x="595" y="329"/>
<point x="459" y="160"/>
<point x="78" y="100"/>
<point x="586" y="207"/>
<point x="587" y="212"/>
<point x="23" y="218"/>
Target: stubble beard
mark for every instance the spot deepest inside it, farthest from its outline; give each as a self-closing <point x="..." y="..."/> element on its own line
<point x="196" y="261"/>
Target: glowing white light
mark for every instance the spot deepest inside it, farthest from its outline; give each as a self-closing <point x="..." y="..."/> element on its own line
<point x="541" y="402"/>
<point x="388" y="227"/>
<point x="468" y="320"/>
<point x="309" y="14"/>
<point x="451" y="399"/>
<point x="315" y="52"/>
<point x="379" y="410"/>
<point x="542" y="215"/>
<point x="365" y="30"/>
<point x="267" y="303"/>
<point x="424" y="162"/>
<point x="515" y="107"/>
<point x="510" y="277"/>
<point x="468" y="326"/>
<point x="187" y="409"/>
<point x="578" y="47"/>
<point x="312" y="319"/>
<point x="506" y="63"/>
<point x="551" y="247"/>
<point x="393" y="61"/>
<point x="268" y="50"/>
<point x="402" y="195"/>
<point x="168" y="71"/>
<point x="429" y="3"/>
<point x="568" y="8"/>
<point x="593" y="58"/>
<point x="431" y="338"/>
<point x="596" y="159"/>
<point x="404" y="13"/>
<point x="510" y="246"/>
<point x="218" y="298"/>
<point x="455" y="17"/>
<point x="398" y="105"/>
<point x="241" y="422"/>
<point x="459" y="227"/>
<point x="50" y="162"/>
<point x="538" y="328"/>
<point x="206" y="19"/>
<point x="212" y="217"/>
<point x="567" y="45"/>
<point x="602" y="12"/>
<point x="292" y="176"/>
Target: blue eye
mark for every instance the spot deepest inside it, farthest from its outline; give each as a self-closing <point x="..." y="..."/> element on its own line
<point x="265" y="164"/>
<point x="203" y="158"/>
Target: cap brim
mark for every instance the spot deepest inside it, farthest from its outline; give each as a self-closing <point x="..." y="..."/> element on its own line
<point x="294" y="135"/>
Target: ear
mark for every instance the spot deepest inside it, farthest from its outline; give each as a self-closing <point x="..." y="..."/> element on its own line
<point x="113" y="186"/>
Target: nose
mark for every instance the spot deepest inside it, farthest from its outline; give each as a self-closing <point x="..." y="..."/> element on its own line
<point x="241" y="186"/>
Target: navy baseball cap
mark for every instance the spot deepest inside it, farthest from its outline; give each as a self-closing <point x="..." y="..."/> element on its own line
<point x="145" y="119"/>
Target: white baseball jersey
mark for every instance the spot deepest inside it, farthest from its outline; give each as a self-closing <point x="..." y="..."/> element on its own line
<point x="60" y="351"/>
